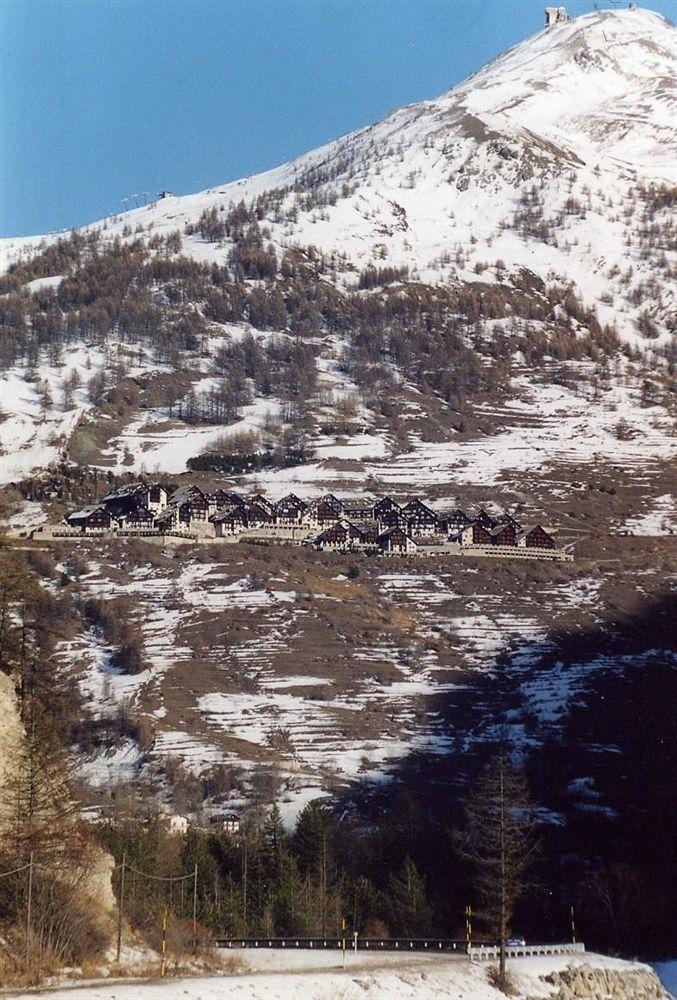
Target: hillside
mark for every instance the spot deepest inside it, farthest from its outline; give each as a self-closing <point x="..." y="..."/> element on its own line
<point x="472" y="300"/>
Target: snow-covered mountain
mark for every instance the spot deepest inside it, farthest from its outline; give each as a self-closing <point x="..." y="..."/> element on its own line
<point x="551" y="168"/>
<point x="472" y="300"/>
<point x="542" y="159"/>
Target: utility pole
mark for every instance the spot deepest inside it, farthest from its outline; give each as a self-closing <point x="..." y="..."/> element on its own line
<point x="121" y="901"/>
<point x="164" y="940"/>
<point x="468" y="927"/>
<point x="573" y="927"/>
<point x="244" y="884"/>
<point x="503" y="886"/>
<point x="29" y="906"/>
<point x="324" y="885"/>
<point x="195" y="909"/>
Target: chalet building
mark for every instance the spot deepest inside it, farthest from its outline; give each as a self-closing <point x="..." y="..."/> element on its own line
<point x="504" y="534"/>
<point x="419" y="518"/>
<point x="395" y="541"/>
<point x="225" y="823"/>
<point x="453" y="521"/>
<point x="369" y="535"/>
<point x="538" y="538"/>
<point x="333" y="502"/>
<point x="195" y="509"/>
<point x="486" y="520"/>
<point x="120" y="503"/>
<point x="155" y="497"/>
<point x="191" y="503"/>
<point x="391" y="519"/>
<point x="340" y="537"/>
<point x="257" y="515"/>
<point x="90" y="520"/>
<point x="384" y="507"/>
<point x="225" y="498"/>
<point x="357" y="510"/>
<point x="229" y="521"/>
<point x="509" y="519"/>
<point x="138" y="519"/>
<point x="321" y="513"/>
<point x="289" y="511"/>
<point x="264" y="502"/>
<point x="475" y="534"/>
<point x="188" y="507"/>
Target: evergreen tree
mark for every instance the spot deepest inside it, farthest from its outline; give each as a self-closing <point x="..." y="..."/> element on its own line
<point x="411" y="912"/>
<point x="274" y="831"/>
<point x="313" y="843"/>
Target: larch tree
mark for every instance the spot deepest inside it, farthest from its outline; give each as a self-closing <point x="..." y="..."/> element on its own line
<point x="499" y="844"/>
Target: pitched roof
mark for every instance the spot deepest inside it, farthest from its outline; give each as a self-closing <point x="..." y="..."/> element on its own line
<point x="291" y="498"/>
<point x="497" y="529"/>
<point x="184" y="494"/>
<point x="419" y="505"/>
<point x="80" y="515"/>
<point x="349" y="505"/>
<point x="392" y="531"/>
<point x="124" y="492"/>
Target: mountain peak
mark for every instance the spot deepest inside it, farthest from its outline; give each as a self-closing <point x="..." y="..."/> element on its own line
<point x="526" y="161"/>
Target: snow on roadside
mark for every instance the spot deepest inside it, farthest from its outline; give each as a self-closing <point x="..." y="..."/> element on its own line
<point x="301" y="975"/>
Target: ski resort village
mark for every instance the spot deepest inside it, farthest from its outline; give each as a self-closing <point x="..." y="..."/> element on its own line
<point x="338" y="533"/>
<point x="373" y="526"/>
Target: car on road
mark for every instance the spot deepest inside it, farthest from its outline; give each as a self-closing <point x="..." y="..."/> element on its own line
<point x="515" y="942"/>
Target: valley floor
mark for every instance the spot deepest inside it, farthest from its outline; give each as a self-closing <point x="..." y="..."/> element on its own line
<point x="276" y="975"/>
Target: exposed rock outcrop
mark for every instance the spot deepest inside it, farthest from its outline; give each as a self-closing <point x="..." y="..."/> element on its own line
<point x="582" y="982"/>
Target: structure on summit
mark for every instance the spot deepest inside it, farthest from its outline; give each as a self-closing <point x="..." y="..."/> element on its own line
<point x="554" y="15"/>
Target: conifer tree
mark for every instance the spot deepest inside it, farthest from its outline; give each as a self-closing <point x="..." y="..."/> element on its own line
<point x="499" y="844"/>
<point x="410" y="908"/>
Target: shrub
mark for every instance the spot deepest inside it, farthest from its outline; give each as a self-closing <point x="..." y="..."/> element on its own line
<point x="505" y="983"/>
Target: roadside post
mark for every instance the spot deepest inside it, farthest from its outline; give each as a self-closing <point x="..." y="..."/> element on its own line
<point x="165" y="915"/>
<point x="121" y="903"/>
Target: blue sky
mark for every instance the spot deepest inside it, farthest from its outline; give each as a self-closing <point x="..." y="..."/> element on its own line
<point x="104" y="98"/>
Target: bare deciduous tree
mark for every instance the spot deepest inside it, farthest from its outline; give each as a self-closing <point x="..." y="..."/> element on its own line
<point x="499" y="844"/>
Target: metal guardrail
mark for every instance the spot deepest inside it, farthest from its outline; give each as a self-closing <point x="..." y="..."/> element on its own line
<point x="337" y="944"/>
<point x="476" y="953"/>
<point x="489" y="952"/>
